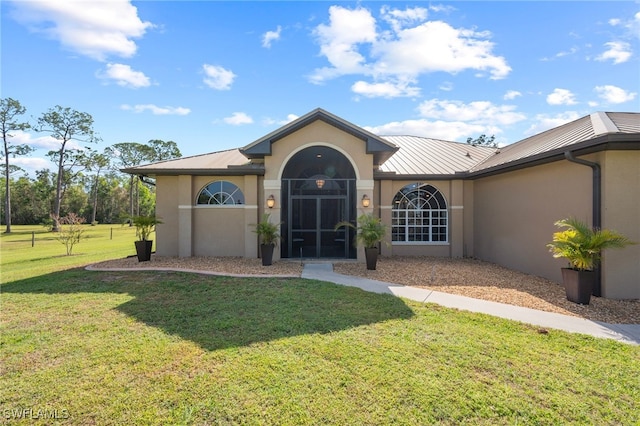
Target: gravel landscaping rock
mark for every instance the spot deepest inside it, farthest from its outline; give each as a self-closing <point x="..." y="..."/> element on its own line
<point x="466" y="277"/>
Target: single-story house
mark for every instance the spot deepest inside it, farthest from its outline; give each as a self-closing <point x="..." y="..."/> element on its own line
<point x="438" y="198"/>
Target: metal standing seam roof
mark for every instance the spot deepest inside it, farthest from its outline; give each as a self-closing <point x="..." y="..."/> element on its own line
<point x="580" y="130"/>
<point x="625" y="122"/>
<point x="220" y="160"/>
<point x="425" y="156"/>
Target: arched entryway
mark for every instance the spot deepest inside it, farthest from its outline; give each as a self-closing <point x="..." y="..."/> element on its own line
<point x="318" y="191"/>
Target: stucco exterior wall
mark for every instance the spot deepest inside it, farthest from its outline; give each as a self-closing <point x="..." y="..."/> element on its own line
<point x="224" y="230"/>
<point x="319" y="133"/>
<point x="515" y="212"/>
<point x="468" y="219"/>
<point x="192" y="230"/>
<point x="621" y="212"/>
<point x="219" y="231"/>
<point x="167" y="210"/>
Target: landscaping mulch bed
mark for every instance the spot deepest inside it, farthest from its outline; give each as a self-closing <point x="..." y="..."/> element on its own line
<point x="466" y="277"/>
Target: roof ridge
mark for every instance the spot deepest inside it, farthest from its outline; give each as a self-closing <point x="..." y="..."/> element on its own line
<point x="602" y="123"/>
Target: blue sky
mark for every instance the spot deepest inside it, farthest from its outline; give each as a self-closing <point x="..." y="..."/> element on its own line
<point x="214" y="75"/>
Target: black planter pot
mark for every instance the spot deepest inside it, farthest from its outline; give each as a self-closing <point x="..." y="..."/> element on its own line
<point x="578" y="285"/>
<point x="266" y="251"/>
<point x="143" y="250"/>
<point x="371" y="255"/>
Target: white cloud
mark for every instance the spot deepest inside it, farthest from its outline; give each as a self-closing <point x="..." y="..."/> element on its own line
<point x="354" y="43"/>
<point x="124" y="76"/>
<point x="271" y="121"/>
<point x="385" y="90"/>
<point x="270" y="36"/>
<point x="561" y="97"/>
<point x="619" y="52"/>
<point x="31" y="164"/>
<point x="156" y="110"/>
<point x="48" y="143"/>
<point x="216" y="77"/>
<point x="446" y="130"/>
<point x="543" y="122"/>
<point x="446" y="86"/>
<point x="399" y="19"/>
<point x="511" y="94"/>
<point x="477" y="112"/>
<point x="96" y="29"/>
<point x="614" y="94"/>
<point x="289" y="119"/>
<point x="339" y="40"/>
<point x="238" y="119"/>
<point x="454" y="120"/>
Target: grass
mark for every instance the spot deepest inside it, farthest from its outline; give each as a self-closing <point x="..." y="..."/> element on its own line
<point x="174" y="348"/>
<point x="19" y="259"/>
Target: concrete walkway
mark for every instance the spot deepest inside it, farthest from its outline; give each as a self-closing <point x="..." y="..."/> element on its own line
<point x="627" y="333"/>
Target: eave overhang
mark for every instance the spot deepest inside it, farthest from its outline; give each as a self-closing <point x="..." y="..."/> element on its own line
<point x="608" y="142"/>
<point x="255" y="170"/>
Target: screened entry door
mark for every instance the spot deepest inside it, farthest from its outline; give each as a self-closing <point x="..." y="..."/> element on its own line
<point x="312" y="231"/>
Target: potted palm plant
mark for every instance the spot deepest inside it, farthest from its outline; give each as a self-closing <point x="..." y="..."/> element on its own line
<point x="145" y="225"/>
<point x="582" y="246"/>
<point x="269" y="236"/>
<point x="369" y="232"/>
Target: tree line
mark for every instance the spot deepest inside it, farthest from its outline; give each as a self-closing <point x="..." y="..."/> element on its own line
<point x="85" y="182"/>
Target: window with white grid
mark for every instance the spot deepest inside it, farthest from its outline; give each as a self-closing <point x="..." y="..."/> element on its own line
<point x="220" y="193"/>
<point x="419" y="214"/>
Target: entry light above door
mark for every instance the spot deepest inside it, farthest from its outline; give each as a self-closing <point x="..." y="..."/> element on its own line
<point x="366" y="201"/>
<point x="319" y="183"/>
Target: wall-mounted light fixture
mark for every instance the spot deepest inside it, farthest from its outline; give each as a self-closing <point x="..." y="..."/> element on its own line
<point x="366" y="201"/>
<point x="319" y="183"/>
<point x="271" y="201"/>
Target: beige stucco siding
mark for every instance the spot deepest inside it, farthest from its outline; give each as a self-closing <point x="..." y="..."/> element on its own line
<point x="167" y="211"/>
<point x="220" y="231"/>
<point x="323" y="134"/>
<point x="515" y="212"/>
<point x="191" y="230"/>
<point x="468" y="223"/>
<point x="621" y="212"/>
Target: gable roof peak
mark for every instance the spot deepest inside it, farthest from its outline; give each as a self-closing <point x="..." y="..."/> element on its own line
<point x="380" y="148"/>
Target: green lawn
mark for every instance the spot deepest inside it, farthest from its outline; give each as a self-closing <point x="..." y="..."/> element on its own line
<point x="176" y="348"/>
<point x="20" y="259"/>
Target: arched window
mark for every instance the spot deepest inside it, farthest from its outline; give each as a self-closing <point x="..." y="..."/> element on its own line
<point x="419" y="214"/>
<point x="220" y="193"/>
